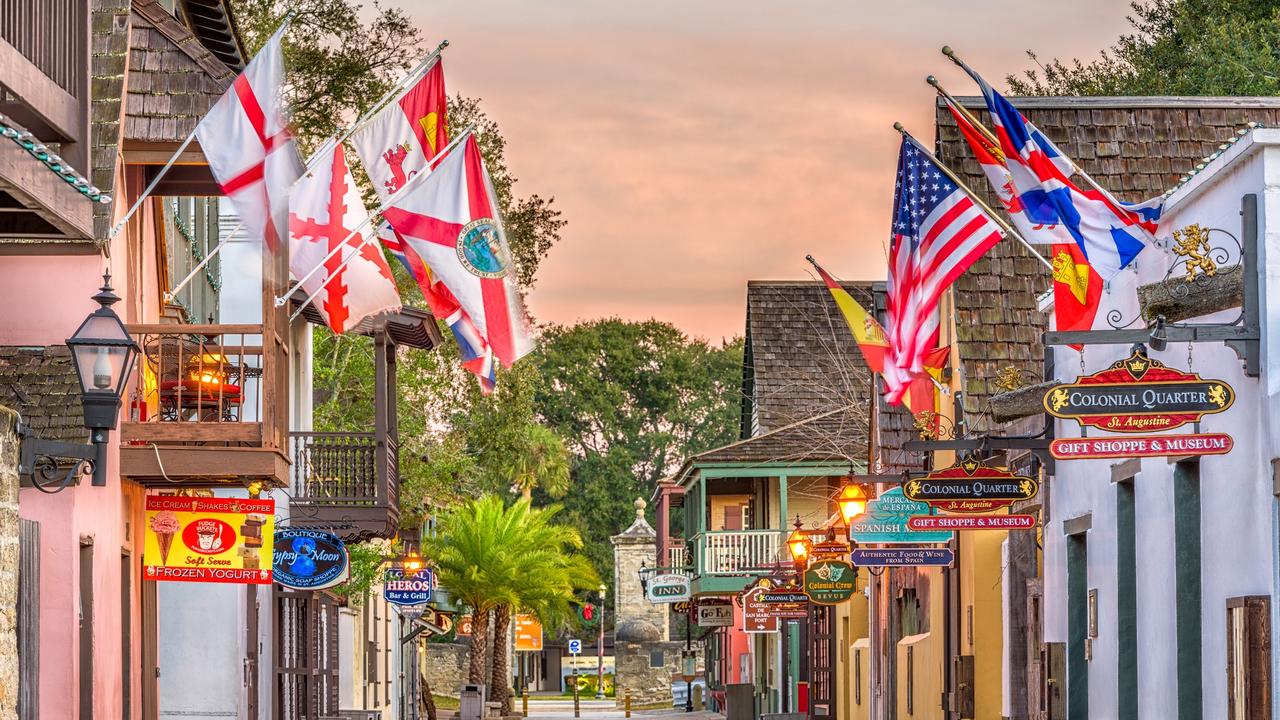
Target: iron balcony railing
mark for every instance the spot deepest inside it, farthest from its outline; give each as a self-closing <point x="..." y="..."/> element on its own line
<point x="336" y="468"/>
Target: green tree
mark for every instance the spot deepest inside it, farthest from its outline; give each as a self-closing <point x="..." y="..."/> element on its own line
<point x="632" y="400"/>
<point x="539" y="461"/>
<point x="1178" y="47"/>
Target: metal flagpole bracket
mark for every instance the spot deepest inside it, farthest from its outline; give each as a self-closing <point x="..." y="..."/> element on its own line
<point x="1243" y="335"/>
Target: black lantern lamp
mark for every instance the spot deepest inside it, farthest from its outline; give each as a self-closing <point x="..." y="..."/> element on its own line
<point x="103" y="353"/>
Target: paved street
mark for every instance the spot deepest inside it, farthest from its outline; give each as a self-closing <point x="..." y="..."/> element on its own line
<point x="604" y="709"/>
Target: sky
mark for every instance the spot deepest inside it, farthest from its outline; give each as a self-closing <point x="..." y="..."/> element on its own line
<point x="693" y="145"/>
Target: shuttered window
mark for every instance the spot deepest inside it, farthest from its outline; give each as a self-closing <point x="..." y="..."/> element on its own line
<point x="1249" y="658"/>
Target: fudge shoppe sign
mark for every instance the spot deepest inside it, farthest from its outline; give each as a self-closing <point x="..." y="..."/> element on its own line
<point x="202" y="539"/>
<point x="1138" y="395"/>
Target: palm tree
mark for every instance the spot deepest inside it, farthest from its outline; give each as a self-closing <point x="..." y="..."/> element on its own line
<point x="542" y="461"/>
<point x="475" y="557"/>
<point x="546" y="581"/>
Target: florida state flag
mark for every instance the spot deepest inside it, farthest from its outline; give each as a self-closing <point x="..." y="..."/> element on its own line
<point x="324" y="209"/>
<point x="1077" y="288"/>
<point x="401" y="141"/>
<point x="249" y="149"/>
<point x="451" y="220"/>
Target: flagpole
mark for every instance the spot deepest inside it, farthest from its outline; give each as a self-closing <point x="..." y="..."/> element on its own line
<point x="1008" y="229"/>
<point x="973" y="119"/>
<point x="946" y="50"/>
<point x="115" y="230"/>
<point x="337" y="138"/>
<point x="282" y="299"/>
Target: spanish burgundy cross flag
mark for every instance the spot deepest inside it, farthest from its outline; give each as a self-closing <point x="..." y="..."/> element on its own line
<point x="450" y="219"/>
<point x="323" y="211"/>
<point x="247" y="143"/>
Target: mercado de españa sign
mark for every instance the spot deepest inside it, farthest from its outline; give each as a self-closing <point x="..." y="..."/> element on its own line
<point x="970" y="487"/>
<point x="886" y="522"/>
<point x="1137" y="395"/>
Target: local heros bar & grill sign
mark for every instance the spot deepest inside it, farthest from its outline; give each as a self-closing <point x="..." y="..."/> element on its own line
<point x="1137" y="395"/>
<point x="308" y="559"/>
<point x="201" y="539"/>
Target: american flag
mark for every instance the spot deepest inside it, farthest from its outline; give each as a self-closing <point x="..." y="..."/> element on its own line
<point x="938" y="232"/>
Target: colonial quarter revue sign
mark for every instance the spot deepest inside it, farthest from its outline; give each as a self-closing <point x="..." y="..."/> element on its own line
<point x="969" y="487"/>
<point x="1137" y="395"/>
<point x="830" y="582"/>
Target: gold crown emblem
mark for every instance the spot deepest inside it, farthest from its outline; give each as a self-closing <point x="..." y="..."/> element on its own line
<point x="970" y="465"/>
<point x="1137" y="365"/>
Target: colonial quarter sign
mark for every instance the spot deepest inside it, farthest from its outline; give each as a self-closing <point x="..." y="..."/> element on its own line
<point x="1137" y="395"/>
<point x="970" y="487"/>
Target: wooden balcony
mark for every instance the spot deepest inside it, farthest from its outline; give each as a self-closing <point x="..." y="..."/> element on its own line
<point x="738" y="552"/>
<point x="346" y="483"/>
<point x="208" y="408"/>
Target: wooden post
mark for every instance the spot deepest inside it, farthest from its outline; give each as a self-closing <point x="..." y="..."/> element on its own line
<point x="626" y="706"/>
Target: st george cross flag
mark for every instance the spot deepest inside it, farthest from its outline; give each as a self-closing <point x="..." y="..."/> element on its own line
<point x="403" y="138"/>
<point x="476" y="357"/>
<point x="247" y="143"/>
<point x="324" y="209"/>
<point x="938" y="232"/>
<point x="1109" y="233"/>
<point x="451" y="220"/>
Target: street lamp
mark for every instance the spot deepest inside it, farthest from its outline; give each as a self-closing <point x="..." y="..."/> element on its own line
<point x="852" y="501"/>
<point x="799" y="545"/>
<point x="412" y="563"/>
<point x="600" y="649"/>
<point x="103" y="354"/>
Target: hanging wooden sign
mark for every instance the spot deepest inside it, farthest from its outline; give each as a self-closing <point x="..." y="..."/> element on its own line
<point x="1144" y="446"/>
<point x="830" y="582"/>
<point x="969" y="487"/>
<point x="903" y="556"/>
<point x="1138" y="394"/>
<point x="972" y="522"/>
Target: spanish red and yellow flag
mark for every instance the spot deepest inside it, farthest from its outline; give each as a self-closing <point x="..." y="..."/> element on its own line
<point x="1077" y="287"/>
<point x="869" y="335"/>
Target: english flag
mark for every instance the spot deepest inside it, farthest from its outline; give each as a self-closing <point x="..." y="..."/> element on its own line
<point x="401" y="141"/>
<point x="324" y="210"/>
<point x="450" y="219"/>
<point x="246" y="141"/>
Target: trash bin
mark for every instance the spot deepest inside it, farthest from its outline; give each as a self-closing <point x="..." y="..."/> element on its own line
<point x="471" y="702"/>
<point x="739" y="701"/>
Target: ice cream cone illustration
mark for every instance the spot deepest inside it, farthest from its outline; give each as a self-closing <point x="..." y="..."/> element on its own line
<point x="165" y="525"/>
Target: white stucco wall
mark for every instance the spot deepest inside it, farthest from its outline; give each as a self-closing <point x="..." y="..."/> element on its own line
<point x="1237" y="505"/>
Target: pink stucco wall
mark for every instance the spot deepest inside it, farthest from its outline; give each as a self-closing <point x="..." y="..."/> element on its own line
<point x="44" y="299"/>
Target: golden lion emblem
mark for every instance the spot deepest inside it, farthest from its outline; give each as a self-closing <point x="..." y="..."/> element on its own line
<point x="1058" y="399"/>
<point x="1192" y="242"/>
<point x="1218" y="395"/>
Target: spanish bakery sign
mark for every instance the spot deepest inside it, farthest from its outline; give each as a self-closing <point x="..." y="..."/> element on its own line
<point x="1137" y="395"/>
<point x="1141" y="446"/>
<point x="969" y="487"/>
<point x="203" y="539"/>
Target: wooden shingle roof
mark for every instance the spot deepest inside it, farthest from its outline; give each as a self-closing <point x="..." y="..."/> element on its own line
<point x="173" y="79"/>
<point x="838" y="435"/>
<point x="1136" y="147"/>
<point x="41" y="384"/>
<point x="800" y="358"/>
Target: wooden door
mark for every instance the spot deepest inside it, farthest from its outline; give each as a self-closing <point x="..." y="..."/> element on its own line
<point x="251" y="655"/>
<point x="1035" y="659"/>
<point x="822" y="638"/>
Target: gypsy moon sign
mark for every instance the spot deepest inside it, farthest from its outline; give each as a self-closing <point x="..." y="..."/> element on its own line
<point x="1138" y="394"/>
<point x="969" y="487"/>
<point x="1146" y="446"/>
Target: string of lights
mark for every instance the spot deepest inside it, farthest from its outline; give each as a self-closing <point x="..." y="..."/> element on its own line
<point x="38" y="150"/>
